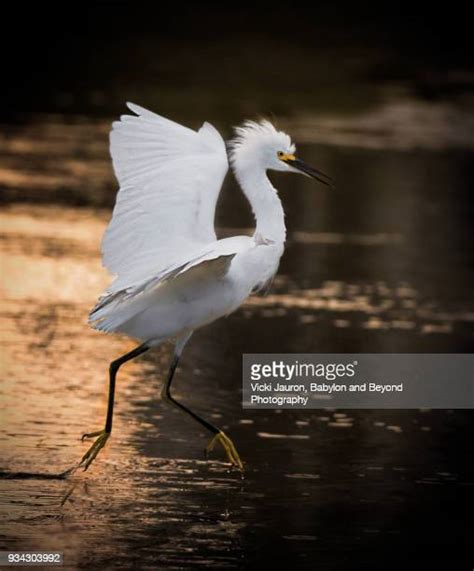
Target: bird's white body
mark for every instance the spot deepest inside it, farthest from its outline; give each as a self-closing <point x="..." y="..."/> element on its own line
<point x="194" y="299"/>
<point x="173" y="274"/>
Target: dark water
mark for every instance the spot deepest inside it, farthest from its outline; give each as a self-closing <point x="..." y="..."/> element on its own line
<point x="381" y="264"/>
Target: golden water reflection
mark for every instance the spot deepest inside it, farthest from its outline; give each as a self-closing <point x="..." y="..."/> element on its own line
<point x="152" y="497"/>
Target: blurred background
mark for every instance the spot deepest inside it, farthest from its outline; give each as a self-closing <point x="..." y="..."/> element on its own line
<point x="381" y="98"/>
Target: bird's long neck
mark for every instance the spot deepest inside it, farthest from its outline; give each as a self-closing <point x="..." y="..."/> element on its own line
<point x="265" y="203"/>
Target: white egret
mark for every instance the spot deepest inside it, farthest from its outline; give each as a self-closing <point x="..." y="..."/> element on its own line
<point x="172" y="274"/>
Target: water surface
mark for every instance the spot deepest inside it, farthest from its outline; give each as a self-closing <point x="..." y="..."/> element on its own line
<point x="382" y="264"/>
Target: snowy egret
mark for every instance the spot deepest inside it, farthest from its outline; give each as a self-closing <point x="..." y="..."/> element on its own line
<point x="172" y="273"/>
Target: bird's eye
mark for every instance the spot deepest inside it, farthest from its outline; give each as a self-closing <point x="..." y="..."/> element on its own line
<point x="280" y="154"/>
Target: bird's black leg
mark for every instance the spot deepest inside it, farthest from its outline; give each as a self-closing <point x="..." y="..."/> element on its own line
<point x="168" y="397"/>
<point x="103" y="435"/>
<point x="218" y="435"/>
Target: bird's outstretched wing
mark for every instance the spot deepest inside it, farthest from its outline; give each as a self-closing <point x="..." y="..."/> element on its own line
<point x="170" y="177"/>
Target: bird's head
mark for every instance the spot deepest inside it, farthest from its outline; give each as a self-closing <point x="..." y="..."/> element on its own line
<point x="260" y="144"/>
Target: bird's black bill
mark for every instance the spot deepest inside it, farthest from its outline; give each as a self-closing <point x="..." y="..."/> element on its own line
<point x="312" y="172"/>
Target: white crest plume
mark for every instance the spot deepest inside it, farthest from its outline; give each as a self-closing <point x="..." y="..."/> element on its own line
<point x="252" y="135"/>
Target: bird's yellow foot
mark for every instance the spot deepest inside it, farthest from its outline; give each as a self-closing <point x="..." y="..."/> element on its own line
<point x="229" y="447"/>
<point x="99" y="443"/>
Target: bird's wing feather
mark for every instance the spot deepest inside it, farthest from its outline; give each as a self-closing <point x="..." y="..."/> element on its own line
<point x="170" y="177"/>
<point x="212" y="262"/>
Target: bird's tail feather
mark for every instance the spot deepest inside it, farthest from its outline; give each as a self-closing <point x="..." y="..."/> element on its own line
<point x="109" y="314"/>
